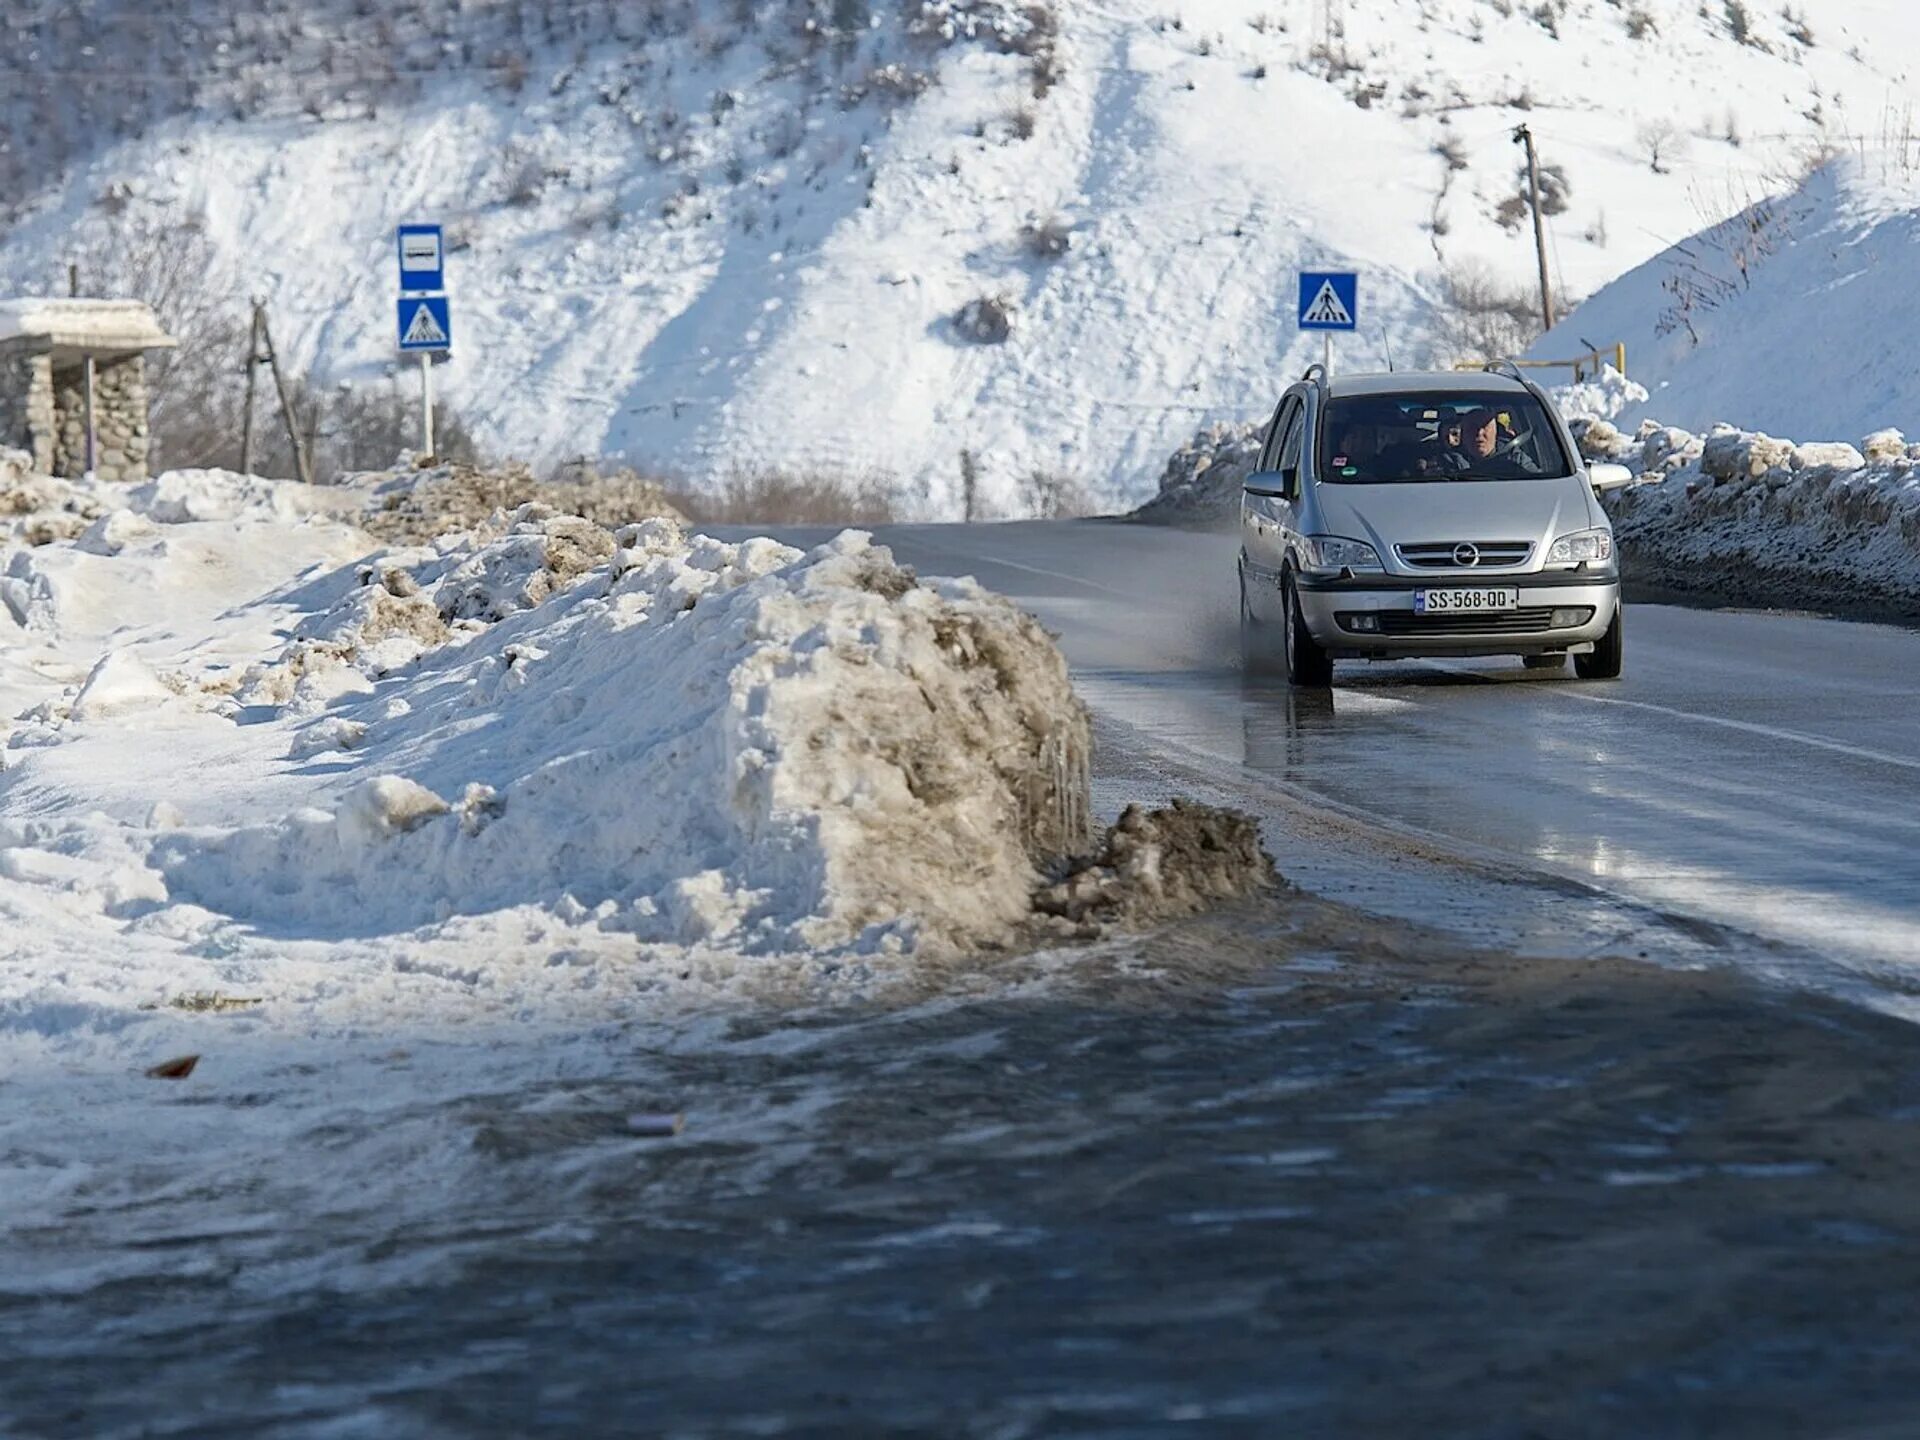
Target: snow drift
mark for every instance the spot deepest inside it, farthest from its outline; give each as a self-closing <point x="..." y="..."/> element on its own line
<point x="1743" y="516"/>
<point x="1796" y="315"/>
<point x="697" y="742"/>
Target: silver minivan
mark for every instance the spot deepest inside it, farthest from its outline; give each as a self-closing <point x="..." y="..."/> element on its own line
<point x="1441" y="514"/>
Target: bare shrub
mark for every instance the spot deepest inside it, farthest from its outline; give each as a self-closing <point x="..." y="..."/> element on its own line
<point x="969" y="487"/>
<point x="896" y="84"/>
<point x="1023" y="122"/>
<point x="1640" y="25"/>
<point x="778" y="497"/>
<point x="1045" y="495"/>
<point x="1049" y="239"/>
<point x="1485" y="317"/>
<point x="986" y="321"/>
<point x="1740" y="23"/>
<point x="526" y="177"/>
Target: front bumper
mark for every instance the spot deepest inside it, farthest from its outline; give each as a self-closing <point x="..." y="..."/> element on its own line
<point x="1373" y="617"/>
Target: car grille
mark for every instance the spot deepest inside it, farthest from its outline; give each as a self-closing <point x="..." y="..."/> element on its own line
<point x="1534" y="620"/>
<point x="1493" y="554"/>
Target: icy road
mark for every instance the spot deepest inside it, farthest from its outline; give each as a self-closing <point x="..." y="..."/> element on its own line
<point x="1738" y="795"/>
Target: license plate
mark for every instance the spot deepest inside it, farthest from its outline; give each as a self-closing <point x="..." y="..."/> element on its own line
<point x="1458" y="602"/>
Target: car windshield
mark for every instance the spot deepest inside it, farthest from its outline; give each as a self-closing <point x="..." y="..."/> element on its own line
<point x="1454" y="435"/>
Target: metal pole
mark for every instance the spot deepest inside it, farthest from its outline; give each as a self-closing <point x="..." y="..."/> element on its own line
<point x="1328" y="353"/>
<point x="91" y="438"/>
<point x="426" y="400"/>
<point x="1524" y="136"/>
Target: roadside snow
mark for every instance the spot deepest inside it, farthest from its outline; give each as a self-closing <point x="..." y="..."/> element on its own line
<point x="666" y="736"/>
<point x="1759" y="520"/>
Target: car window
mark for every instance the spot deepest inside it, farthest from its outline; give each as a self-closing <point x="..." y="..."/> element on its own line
<point x="1290" y="445"/>
<point x="1276" y="433"/>
<point x="1439" y="436"/>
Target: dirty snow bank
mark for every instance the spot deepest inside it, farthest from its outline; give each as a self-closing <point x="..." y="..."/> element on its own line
<point x="1202" y="482"/>
<point x="1765" y="521"/>
<point x="1159" y="864"/>
<point x="409" y="504"/>
<point x="680" y="739"/>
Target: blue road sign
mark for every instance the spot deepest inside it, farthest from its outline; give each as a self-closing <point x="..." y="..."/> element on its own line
<point x="426" y="323"/>
<point x="423" y="258"/>
<point x="1329" y="300"/>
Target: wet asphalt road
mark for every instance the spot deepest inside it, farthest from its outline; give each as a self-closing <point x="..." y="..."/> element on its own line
<point x="1274" y="1171"/>
<point x="1756" y="772"/>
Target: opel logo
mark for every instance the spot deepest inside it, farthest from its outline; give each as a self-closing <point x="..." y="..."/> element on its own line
<point x="1466" y="556"/>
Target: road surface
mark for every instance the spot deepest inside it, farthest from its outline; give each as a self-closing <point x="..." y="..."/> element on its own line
<point x="1285" y="1169"/>
<point x="1745" y="791"/>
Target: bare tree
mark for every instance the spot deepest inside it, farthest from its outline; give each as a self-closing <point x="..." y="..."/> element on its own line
<point x="1661" y="141"/>
<point x="194" y="390"/>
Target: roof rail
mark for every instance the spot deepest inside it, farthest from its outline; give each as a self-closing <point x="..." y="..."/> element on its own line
<point x="1506" y="367"/>
<point x="1317" y="373"/>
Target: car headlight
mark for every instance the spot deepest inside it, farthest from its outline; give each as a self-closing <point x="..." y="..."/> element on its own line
<point x="1583" y="545"/>
<point x="1331" y="554"/>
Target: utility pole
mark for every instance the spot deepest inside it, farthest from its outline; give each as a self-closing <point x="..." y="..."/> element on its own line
<point x="302" y="456"/>
<point x="254" y="359"/>
<point x="1524" y="136"/>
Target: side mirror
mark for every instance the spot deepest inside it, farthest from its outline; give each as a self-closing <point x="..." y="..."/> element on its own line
<point x="1269" y="483"/>
<point x="1609" y="477"/>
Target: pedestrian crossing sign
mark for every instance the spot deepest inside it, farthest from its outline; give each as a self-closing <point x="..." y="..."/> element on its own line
<point x="425" y="323"/>
<point x="1329" y="300"/>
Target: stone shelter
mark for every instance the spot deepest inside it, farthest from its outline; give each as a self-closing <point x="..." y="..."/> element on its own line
<point x="73" y="383"/>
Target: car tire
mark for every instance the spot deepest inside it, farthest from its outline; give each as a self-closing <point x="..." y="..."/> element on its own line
<point x="1308" y="666"/>
<point x="1544" y="662"/>
<point x="1605" y="661"/>
<point x="1256" y="640"/>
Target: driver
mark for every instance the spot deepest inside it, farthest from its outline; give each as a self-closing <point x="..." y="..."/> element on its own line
<point x="1474" y="447"/>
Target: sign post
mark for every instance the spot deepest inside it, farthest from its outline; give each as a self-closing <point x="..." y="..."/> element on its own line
<point x="1329" y="301"/>
<point x="426" y="317"/>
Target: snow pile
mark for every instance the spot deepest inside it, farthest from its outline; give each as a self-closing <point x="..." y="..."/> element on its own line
<point x="1760" y="520"/>
<point x="690" y="742"/>
<point x="176" y="539"/>
<point x="410" y="504"/>
<point x="1202" y="482"/>
<point x="1160" y="864"/>
<point x="1602" y="398"/>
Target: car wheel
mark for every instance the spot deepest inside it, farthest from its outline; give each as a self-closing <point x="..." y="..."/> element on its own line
<point x="1307" y="663"/>
<point x="1544" y="662"/>
<point x="1257" y="641"/>
<point x="1604" y="663"/>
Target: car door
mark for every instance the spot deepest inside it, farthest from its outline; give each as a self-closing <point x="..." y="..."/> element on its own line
<point x="1269" y="510"/>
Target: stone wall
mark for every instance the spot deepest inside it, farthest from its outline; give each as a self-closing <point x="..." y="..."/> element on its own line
<point x="26" y="401"/>
<point x="119" y="419"/>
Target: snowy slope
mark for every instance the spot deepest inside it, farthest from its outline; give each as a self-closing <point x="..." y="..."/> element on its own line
<point x="1796" y="317"/>
<point x="714" y="247"/>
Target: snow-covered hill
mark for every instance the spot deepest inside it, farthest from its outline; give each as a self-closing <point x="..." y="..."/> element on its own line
<point x="1796" y="316"/>
<point x="700" y="235"/>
